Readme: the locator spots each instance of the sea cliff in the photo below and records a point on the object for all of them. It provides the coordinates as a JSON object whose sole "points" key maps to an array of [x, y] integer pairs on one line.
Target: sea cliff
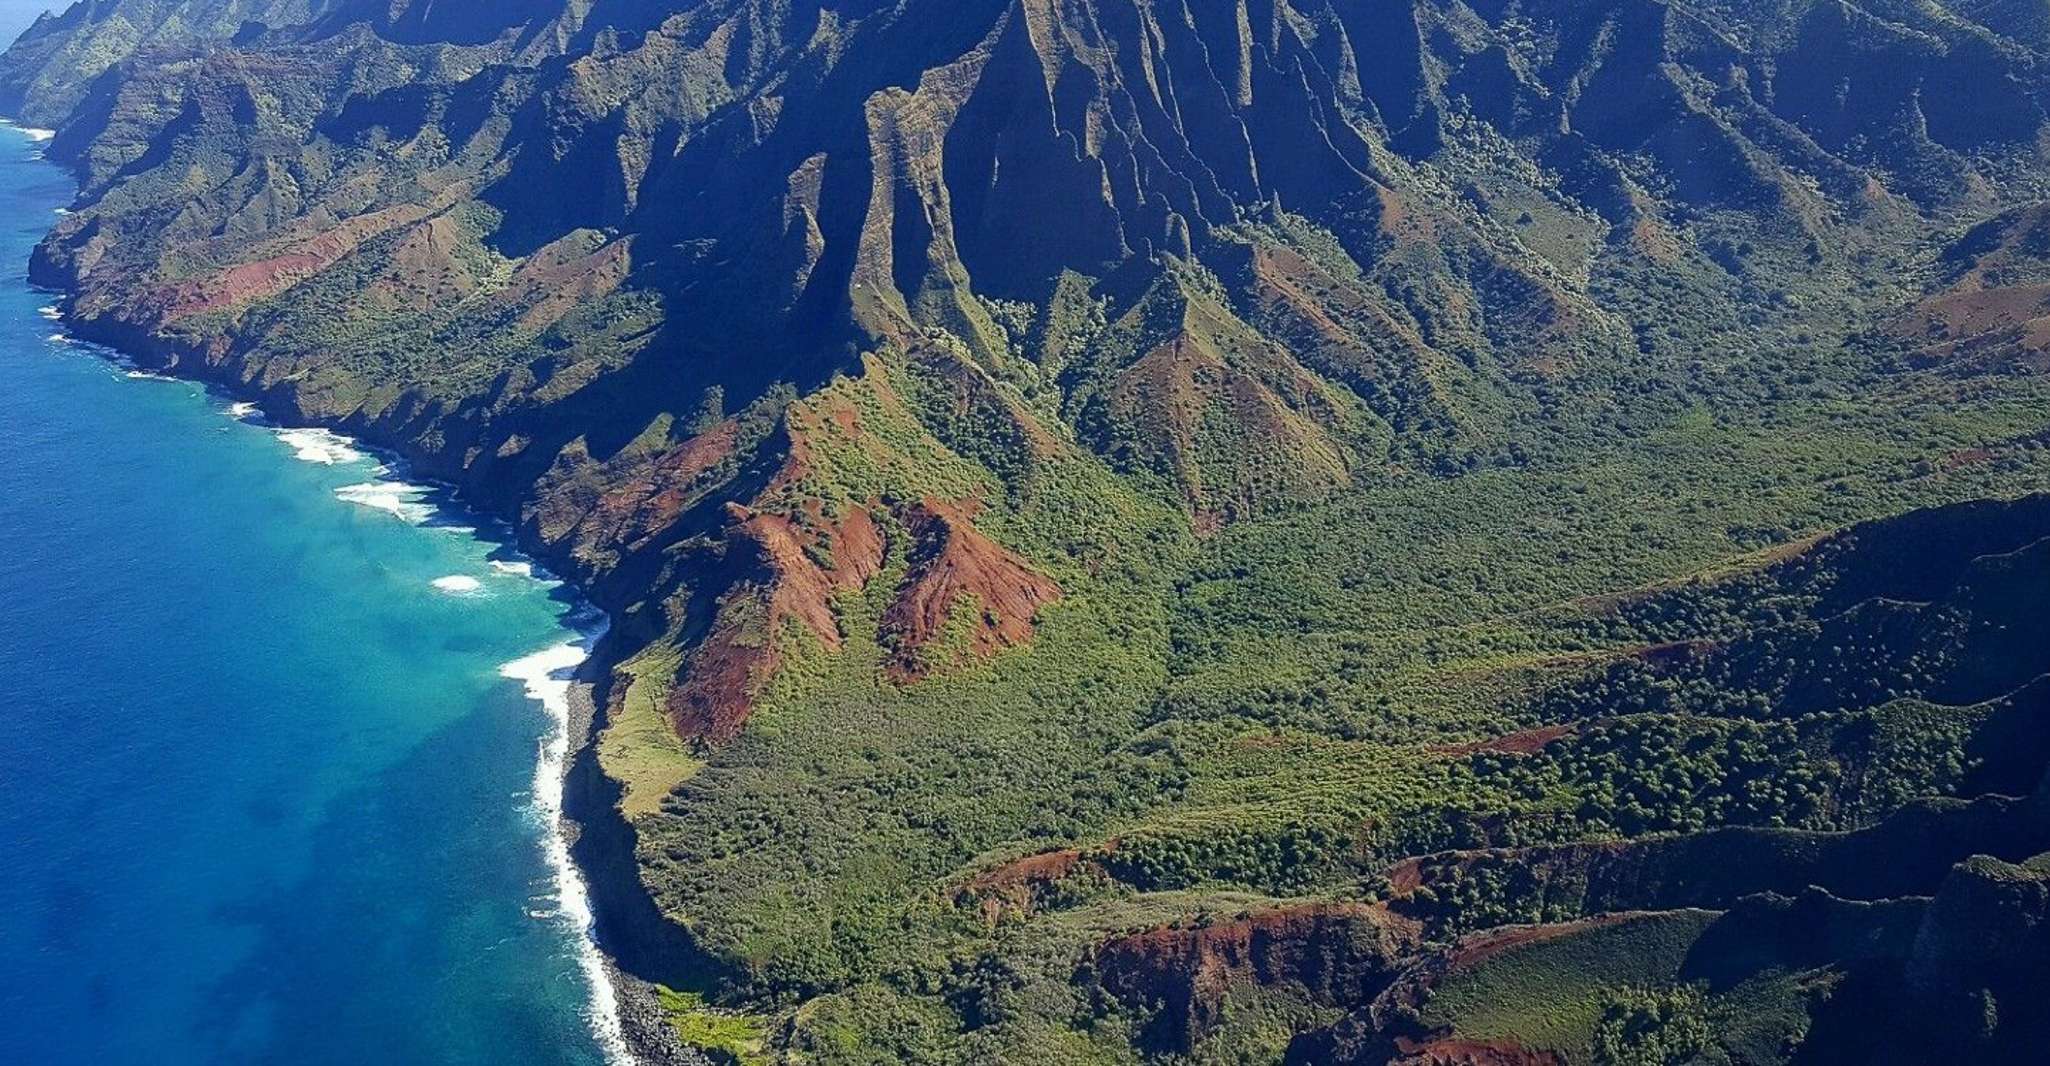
{"points": [[1101, 501]]}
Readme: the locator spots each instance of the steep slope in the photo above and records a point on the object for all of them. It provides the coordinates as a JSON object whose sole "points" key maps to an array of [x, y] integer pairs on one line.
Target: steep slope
{"points": [[1061, 469]]}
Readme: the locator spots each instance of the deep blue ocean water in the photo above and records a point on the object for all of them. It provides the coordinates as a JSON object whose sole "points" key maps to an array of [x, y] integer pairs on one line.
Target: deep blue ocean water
{"points": [[266, 794]]}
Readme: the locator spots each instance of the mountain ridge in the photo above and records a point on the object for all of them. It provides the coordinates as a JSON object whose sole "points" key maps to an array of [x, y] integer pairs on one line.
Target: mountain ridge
{"points": [[1058, 397]]}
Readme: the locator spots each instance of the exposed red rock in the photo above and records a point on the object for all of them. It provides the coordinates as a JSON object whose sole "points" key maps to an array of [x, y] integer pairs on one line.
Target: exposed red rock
{"points": [[1964, 457], [1016, 887], [425, 270], [1405, 876], [798, 587], [263, 278], [1473, 950], [1995, 315], [952, 562], [778, 582], [649, 502], [557, 279], [1232, 416], [719, 686], [1043, 868], [857, 546], [1521, 742], [1338, 953], [1303, 300], [1359, 1040]]}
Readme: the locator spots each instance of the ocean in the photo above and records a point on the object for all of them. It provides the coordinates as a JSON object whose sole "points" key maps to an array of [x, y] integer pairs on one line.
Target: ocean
{"points": [[280, 744]]}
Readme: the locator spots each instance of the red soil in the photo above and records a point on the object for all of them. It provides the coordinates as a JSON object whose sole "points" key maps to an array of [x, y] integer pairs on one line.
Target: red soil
{"points": [[1480, 947], [650, 502], [1044, 868], [1997, 312], [1405, 877], [264, 278], [718, 691], [1522, 742], [1340, 953], [780, 583], [1014, 888], [1964, 457], [952, 562], [554, 281]]}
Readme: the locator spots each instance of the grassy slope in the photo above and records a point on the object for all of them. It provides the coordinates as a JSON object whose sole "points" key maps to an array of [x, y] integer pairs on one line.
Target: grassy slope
{"points": [[1228, 716]]}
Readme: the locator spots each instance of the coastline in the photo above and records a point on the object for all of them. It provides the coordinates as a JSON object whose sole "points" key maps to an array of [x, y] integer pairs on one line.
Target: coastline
{"points": [[589, 845], [629, 1023], [35, 134], [622, 1013], [643, 1025], [548, 677]]}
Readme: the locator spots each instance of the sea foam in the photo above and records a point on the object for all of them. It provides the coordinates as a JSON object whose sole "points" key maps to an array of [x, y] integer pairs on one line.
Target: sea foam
{"points": [[546, 676], [396, 498], [521, 566], [458, 583], [31, 132], [320, 446]]}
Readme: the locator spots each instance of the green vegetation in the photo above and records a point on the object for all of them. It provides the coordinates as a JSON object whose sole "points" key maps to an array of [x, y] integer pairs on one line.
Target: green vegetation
{"points": [[1651, 1027], [1556, 992], [639, 747], [728, 1037], [1184, 503]]}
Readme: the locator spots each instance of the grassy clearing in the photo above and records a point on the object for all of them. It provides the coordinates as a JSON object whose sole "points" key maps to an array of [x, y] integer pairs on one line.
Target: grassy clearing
{"points": [[731, 1038], [639, 748]]}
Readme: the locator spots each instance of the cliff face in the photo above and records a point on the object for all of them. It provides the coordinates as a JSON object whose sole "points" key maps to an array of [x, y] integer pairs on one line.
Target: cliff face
{"points": [[909, 379], [1337, 954]]}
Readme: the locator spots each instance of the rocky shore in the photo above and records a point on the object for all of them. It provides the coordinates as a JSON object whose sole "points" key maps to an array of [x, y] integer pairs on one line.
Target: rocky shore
{"points": [[642, 1021], [639, 945]]}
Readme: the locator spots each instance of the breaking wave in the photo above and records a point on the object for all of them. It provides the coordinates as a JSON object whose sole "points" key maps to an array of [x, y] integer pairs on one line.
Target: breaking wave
{"points": [[320, 446], [547, 678], [403, 501]]}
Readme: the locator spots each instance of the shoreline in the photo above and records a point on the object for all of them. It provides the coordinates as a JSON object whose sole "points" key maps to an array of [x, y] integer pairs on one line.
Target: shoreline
{"points": [[643, 1025], [622, 1013], [549, 678], [584, 818]]}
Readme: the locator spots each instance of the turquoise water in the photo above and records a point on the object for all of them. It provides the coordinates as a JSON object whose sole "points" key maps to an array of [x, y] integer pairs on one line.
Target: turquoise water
{"points": [[266, 793]]}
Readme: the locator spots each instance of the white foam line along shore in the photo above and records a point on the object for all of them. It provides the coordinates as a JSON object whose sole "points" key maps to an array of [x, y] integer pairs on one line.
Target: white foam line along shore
{"points": [[319, 446], [546, 675], [521, 566], [396, 498], [31, 132]]}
